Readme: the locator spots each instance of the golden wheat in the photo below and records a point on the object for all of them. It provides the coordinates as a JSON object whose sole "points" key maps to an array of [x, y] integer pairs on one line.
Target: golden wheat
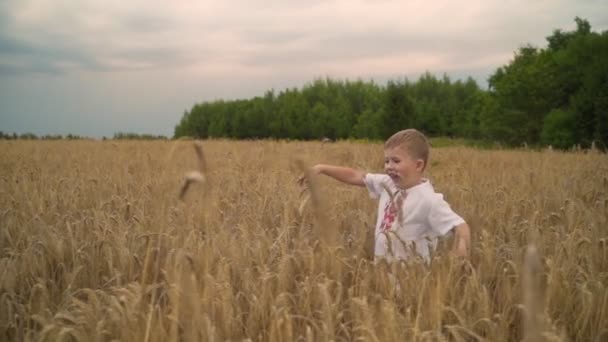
{"points": [[96, 246]]}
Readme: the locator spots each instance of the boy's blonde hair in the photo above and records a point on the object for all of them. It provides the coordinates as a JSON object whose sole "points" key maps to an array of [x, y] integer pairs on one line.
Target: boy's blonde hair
{"points": [[414, 142]]}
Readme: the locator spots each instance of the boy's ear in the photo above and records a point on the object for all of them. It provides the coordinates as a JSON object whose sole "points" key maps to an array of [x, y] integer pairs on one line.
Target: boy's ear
{"points": [[420, 165]]}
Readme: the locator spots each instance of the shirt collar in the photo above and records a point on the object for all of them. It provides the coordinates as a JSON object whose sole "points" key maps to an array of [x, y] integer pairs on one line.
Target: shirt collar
{"points": [[424, 183]]}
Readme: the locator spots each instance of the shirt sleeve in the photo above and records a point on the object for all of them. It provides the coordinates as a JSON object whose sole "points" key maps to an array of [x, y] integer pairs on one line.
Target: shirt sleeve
{"points": [[373, 182], [442, 218]]}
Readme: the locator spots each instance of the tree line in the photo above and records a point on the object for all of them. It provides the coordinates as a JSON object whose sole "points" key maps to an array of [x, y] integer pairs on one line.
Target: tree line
{"points": [[32, 136], [556, 96], [116, 136]]}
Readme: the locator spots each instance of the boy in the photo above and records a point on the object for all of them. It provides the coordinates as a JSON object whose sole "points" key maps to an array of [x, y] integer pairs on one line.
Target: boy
{"points": [[411, 215]]}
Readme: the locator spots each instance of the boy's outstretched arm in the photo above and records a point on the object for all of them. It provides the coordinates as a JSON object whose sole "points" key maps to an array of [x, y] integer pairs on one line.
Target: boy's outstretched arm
{"points": [[342, 174], [462, 242]]}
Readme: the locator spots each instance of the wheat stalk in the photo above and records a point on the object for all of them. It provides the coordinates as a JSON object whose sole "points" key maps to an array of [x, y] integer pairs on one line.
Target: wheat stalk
{"points": [[533, 295], [197, 176]]}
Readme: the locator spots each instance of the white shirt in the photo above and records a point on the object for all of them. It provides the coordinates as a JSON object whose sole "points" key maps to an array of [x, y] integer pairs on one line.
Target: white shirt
{"points": [[410, 221]]}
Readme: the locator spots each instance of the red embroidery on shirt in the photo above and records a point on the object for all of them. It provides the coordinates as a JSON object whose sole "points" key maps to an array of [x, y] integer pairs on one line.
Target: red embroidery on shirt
{"points": [[391, 211]]}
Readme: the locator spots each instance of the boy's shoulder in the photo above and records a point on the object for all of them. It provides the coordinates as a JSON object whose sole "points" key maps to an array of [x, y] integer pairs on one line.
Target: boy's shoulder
{"points": [[376, 177], [378, 180], [376, 174], [378, 183]]}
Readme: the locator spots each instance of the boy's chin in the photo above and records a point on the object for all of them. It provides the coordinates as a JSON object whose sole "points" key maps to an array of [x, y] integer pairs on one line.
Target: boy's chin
{"points": [[397, 181], [401, 183]]}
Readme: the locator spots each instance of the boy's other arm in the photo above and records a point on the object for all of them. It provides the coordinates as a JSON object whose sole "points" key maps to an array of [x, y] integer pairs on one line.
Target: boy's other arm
{"points": [[342, 174], [462, 242]]}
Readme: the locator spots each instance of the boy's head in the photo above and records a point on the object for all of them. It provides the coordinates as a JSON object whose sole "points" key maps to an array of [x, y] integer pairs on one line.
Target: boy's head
{"points": [[406, 154]]}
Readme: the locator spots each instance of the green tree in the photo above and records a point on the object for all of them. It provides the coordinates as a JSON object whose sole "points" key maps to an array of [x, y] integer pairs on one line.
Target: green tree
{"points": [[368, 125], [398, 109], [557, 129]]}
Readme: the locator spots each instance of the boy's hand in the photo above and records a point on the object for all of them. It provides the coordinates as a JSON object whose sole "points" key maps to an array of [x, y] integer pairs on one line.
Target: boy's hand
{"points": [[461, 250], [315, 170], [462, 242]]}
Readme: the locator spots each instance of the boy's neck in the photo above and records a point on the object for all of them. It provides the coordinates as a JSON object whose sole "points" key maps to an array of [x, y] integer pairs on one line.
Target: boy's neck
{"points": [[415, 181]]}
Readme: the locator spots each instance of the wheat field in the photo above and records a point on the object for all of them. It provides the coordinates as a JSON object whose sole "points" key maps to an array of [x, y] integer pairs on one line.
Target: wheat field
{"points": [[96, 246]]}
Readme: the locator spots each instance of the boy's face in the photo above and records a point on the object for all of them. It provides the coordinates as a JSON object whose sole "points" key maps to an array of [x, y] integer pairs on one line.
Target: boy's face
{"points": [[404, 170]]}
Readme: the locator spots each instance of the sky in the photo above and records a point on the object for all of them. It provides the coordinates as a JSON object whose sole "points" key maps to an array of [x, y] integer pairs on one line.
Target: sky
{"points": [[97, 67]]}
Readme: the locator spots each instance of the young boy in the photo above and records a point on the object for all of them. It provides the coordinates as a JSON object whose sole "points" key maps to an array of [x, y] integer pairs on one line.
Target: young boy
{"points": [[411, 215]]}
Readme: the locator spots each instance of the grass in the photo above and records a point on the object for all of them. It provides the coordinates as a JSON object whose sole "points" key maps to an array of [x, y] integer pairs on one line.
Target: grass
{"points": [[96, 245]]}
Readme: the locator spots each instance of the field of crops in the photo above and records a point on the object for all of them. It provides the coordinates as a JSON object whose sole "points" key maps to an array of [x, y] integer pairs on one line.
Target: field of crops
{"points": [[95, 245]]}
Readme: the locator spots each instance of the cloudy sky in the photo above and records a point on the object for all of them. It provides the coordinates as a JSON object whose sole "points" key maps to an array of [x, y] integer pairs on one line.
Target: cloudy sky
{"points": [[95, 67]]}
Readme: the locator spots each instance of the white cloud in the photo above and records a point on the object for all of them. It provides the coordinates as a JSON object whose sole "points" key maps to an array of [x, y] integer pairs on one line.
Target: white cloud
{"points": [[216, 36]]}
